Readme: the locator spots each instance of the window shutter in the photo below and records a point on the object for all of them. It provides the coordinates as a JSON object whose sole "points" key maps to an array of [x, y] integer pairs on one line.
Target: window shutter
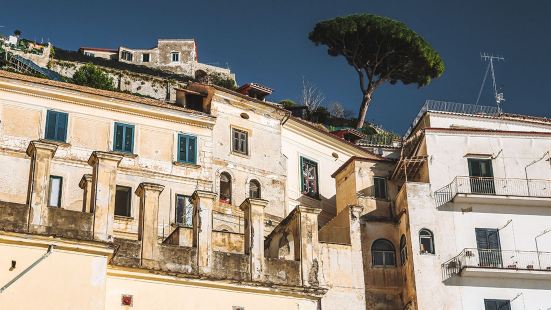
{"points": [[117, 145], [181, 148], [493, 239], [302, 174], [129, 139], [192, 150], [50, 125], [61, 124], [481, 238]]}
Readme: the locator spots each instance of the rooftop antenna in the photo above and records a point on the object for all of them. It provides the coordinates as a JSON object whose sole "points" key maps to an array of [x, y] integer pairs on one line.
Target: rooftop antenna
{"points": [[491, 58]]}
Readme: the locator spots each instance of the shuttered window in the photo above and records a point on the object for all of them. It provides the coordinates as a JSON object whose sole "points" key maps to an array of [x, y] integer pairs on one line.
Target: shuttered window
{"points": [[309, 177], [489, 248], [240, 141], [56, 126], [379, 184], [497, 304], [187, 149], [124, 138]]}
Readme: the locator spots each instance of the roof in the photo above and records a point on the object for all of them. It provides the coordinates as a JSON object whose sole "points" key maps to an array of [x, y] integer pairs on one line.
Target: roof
{"points": [[95, 91], [99, 49], [256, 86], [357, 158]]}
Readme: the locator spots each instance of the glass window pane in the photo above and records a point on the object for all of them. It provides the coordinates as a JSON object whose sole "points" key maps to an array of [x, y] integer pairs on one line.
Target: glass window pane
{"points": [[377, 259], [192, 144], [118, 137], [55, 191]]}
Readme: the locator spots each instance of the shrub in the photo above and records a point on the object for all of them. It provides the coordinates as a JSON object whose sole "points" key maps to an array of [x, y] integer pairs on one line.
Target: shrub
{"points": [[92, 76]]}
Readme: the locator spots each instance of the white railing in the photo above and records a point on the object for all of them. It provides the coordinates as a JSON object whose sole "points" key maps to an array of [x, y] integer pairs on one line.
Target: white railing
{"points": [[496, 259], [453, 107], [494, 187]]}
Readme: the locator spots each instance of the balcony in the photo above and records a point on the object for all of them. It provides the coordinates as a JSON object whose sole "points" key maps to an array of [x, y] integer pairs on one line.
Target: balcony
{"points": [[531, 192], [474, 262]]}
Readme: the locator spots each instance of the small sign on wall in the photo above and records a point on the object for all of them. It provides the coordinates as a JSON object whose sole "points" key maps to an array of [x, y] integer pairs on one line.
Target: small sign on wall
{"points": [[127, 300]]}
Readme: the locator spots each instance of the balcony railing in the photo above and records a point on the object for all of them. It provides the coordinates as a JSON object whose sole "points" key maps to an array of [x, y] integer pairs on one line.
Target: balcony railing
{"points": [[496, 259], [493, 187]]}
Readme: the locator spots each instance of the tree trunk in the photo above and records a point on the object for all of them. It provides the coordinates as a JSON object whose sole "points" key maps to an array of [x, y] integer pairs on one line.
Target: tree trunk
{"points": [[366, 100]]}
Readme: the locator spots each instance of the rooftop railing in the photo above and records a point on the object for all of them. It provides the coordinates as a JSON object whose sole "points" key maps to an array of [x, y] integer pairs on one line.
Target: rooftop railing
{"points": [[496, 259], [453, 107], [379, 140], [493, 186]]}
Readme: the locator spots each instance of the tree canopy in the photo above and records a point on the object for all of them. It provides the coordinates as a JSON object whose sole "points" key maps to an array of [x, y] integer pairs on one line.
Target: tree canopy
{"points": [[92, 76], [380, 50]]}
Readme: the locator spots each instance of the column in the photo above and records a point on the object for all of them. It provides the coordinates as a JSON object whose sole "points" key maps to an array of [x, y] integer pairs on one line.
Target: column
{"points": [[254, 235], [41, 153], [148, 220], [86, 185], [203, 203], [308, 243], [104, 187]]}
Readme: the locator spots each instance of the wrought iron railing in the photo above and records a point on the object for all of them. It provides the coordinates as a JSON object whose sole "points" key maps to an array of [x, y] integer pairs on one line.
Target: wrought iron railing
{"points": [[380, 140], [453, 107], [494, 187], [496, 259]]}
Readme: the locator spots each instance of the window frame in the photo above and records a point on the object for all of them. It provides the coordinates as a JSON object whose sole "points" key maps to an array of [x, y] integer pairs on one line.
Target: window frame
{"points": [[403, 250], [259, 189], [383, 253], [123, 142], [127, 55], [385, 188], [430, 237], [129, 204], [302, 183], [185, 222], [60, 178], [188, 138], [234, 147], [56, 117], [172, 54], [230, 181], [148, 57]]}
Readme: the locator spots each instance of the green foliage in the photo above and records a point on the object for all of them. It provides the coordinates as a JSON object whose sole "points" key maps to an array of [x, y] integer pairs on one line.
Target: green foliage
{"points": [[381, 50], [287, 103], [320, 115], [92, 76], [385, 48], [222, 81]]}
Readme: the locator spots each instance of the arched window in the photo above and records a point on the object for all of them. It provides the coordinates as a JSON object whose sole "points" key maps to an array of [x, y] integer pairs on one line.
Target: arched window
{"points": [[426, 241], [403, 251], [382, 253], [225, 187], [254, 189]]}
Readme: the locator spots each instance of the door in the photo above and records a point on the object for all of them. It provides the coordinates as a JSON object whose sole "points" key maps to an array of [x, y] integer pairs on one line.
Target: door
{"points": [[489, 249], [481, 176]]}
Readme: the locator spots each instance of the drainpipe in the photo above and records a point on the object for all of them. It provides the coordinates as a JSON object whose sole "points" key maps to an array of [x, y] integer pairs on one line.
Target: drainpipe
{"points": [[50, 249], [530, 164], [537, 249]]}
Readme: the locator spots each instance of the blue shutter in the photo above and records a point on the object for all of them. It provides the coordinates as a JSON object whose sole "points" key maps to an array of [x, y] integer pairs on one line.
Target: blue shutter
{"points": [[129, 139], [50, 125], [192, 150], [123, 138], [56, 126], [187, 149], [61, 127], [181, 148]]}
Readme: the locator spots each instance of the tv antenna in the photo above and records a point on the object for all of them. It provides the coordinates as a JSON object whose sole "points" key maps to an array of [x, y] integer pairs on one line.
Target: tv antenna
{"points": [[490, 59]]}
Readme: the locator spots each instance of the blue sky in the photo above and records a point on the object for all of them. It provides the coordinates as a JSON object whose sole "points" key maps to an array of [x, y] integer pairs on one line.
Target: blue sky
{"points": [[267, 42]]}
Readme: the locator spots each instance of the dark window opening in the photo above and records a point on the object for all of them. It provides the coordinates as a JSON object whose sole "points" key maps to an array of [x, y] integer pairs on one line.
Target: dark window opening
{"points": [[426, 241], [56, 126], [379, 185], [184, 210], [175, 56], [225, 187], [382, 253], [54, 194], [194, 102], [497, 304], [254, 189], [489, 248], [309, 177], [122, 201], [126, 55], [481, 176], [145, 58]]}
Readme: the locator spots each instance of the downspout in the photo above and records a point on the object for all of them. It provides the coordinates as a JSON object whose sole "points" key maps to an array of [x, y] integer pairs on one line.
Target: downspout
{"points": [[50, 249], [526, 170]]}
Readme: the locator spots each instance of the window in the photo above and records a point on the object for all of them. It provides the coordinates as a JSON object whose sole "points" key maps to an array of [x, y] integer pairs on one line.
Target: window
{"points": [[309, 177], [240, 141], [481, 176], [126, 55], [184, 210], [124, 138], [489, 248], [426, 241], [225, 187], [145, 57], [254, 189], [497, 304], [175, 56], [56, 126], [122, 201], [382, 253], [54, 197], [403, 251], [89, 54], [187, 149], [379, 185]]}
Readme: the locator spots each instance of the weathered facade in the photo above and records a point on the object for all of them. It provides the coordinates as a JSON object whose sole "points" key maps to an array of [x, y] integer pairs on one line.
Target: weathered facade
{"points": [[147, 201]]}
